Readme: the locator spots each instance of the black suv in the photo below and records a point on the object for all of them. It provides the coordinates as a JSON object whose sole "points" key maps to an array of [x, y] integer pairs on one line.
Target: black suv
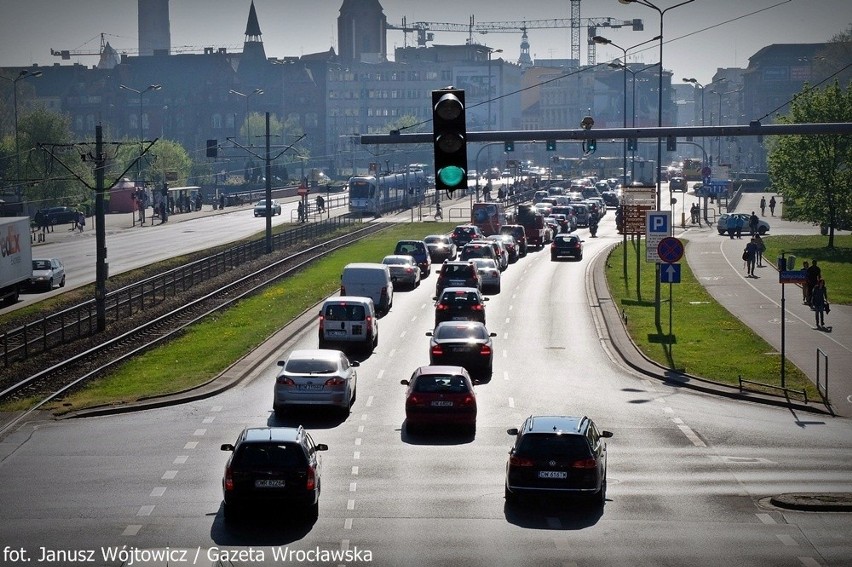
{"points": [[57, 215], [557, 455], [418, 250], [460, 304], [272, 465], [464, 233], [457, 274]]}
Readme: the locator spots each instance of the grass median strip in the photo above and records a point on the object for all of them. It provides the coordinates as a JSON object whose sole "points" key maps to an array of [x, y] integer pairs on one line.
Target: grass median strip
{"points": [[208, 348], [706, 340]]}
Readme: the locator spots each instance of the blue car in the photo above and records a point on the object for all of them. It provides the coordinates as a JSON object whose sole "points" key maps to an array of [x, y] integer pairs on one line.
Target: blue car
{"points": [[418, 250]]}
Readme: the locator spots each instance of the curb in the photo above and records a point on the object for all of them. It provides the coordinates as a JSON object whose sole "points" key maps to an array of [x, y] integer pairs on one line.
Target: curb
{"points": [[828, 502]]}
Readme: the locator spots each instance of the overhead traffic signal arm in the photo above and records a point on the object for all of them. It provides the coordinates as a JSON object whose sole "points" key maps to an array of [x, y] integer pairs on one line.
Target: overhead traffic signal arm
{"points": [[449, 135]]}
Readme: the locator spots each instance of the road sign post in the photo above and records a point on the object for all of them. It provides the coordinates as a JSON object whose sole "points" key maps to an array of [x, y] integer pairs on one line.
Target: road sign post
{"points": [[658, 225]]}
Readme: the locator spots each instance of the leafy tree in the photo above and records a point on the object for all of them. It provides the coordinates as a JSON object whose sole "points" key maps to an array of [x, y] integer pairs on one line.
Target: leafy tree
{"points": [[813, 172], [166, 157], [282, 135]]}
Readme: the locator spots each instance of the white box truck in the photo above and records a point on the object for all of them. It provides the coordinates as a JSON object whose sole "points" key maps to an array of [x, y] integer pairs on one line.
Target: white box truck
{"points": [[16, 257]]}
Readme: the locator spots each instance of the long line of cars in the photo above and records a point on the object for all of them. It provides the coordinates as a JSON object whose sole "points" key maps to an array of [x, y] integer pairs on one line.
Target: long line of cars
{"points": [[552, 455]]}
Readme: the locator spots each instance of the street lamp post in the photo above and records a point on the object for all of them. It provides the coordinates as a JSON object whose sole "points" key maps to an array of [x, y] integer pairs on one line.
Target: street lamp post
{"points": [[632, 106], [141, 125], [24, 74], [248, 122], [700, 86], [660, 86], [490, 51], [605, 41]]}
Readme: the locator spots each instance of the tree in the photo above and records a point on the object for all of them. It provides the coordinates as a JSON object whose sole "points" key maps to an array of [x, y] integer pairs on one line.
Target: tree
{"points": [[166, 158], [813, 172], [282, 135]]}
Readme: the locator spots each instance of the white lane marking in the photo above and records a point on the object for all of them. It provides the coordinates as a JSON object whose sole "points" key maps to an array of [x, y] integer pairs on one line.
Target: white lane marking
{"points": [[505, 354], [506, 336], [131, 530], [360, 429], [370, 401], [765, 518], [352, 486], [180, 460], [169, 475], [358, 441], [413, 319], [191, 445], [344, 544], [510, 307], [380, 374], [787, 540], [200, 432], [809, 562], [350, 504], [158, 491], [508, 319], [145, 510], [511, 402], [505, 375], [677, 420], [208, 419], [355, 471], [347, 524], [392, 352], [356, 455], [216, 408], [364, 417], [668, 410], [690, 434], [402, 334]]}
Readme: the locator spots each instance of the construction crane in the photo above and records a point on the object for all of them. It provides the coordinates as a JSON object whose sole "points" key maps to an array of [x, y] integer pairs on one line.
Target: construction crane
{"points": [[423, 30], [106, 50]]}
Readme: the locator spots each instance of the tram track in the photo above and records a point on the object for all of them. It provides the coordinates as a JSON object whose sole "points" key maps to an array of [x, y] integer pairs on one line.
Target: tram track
{"points": [[67, 372]]}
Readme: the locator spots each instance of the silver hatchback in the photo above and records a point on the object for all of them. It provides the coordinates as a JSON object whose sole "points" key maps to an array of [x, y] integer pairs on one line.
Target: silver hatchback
{"points": [[315, 377]]}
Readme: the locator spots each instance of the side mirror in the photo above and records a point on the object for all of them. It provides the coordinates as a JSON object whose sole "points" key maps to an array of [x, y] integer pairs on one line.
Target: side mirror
{"points": [[492, 334], [606, 433], [227, 447], [512, 431], [429, 333], [404, 382], [282, 362], [322, 447], [486, 299], [354, 363]]}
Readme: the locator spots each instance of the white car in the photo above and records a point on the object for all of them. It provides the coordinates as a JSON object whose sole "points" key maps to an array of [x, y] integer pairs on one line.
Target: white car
{"points": [[489, 274], [47, 272]]}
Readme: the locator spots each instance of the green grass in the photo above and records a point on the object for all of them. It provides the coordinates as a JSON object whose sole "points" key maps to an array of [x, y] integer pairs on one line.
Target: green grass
{"points": [[706, 340], [206, 349], [836, 263]]}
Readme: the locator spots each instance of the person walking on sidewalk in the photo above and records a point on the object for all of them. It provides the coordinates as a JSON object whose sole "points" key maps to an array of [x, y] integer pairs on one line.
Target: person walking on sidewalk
{"points": [[750, 257], [761, 248], [819, 301], [806, 289], [763, 206], [772, 205], [813, 275], [753, 223]]}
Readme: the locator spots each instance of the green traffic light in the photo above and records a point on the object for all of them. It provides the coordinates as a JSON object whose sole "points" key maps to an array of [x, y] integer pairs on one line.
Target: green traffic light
{"points": [[451, 175]]}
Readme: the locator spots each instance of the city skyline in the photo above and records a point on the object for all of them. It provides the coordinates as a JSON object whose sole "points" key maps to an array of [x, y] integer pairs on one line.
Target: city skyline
{"points": [[700, 37]]}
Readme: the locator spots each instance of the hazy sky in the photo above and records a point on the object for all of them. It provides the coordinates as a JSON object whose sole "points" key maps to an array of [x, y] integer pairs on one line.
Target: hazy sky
{"points": [[700, 37]]}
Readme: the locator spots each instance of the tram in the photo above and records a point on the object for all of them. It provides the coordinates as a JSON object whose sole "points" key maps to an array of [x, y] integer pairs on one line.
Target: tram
{"points": [[374, 195]]}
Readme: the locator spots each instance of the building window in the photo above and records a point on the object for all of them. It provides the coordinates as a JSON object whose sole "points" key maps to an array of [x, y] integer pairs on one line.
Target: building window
{"points": [[217, 121]]}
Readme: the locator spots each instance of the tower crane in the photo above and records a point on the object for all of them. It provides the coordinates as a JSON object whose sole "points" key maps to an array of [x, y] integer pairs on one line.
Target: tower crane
{"points": [[423, 29]]}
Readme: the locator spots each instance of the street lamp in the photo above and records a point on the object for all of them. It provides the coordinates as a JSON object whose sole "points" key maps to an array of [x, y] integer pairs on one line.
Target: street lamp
{"points": [[605, 41], [632, 105], [24, 74], [141, 133], [700, 86], [490, 51], [660, 86], [248, 122]]}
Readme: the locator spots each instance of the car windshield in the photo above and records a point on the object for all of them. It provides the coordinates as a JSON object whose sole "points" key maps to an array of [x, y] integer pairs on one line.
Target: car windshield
{"points": [[434, 383], [460, 298], [542, 446], [261, 204], [457, 271], [310, 366], [435, 240], [41, 264], [344, 313], [267, 455], [484, 263], [461, 332]]}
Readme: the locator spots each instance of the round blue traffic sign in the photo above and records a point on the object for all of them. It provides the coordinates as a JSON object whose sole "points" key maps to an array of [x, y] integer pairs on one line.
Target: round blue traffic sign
{"points": [[670, 250]]}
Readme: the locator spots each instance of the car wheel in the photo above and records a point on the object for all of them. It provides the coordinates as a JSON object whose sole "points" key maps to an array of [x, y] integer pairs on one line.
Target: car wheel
{"points": [[762, 230], [62, 282]]}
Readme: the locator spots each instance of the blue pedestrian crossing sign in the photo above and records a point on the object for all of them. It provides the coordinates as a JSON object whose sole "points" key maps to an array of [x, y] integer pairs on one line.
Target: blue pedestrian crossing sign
{"points": [[670, 273]]}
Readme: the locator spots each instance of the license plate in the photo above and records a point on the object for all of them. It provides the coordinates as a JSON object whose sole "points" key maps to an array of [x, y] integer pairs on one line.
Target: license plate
{"points": [[552, 474], [456, 283], [269, 484], [442, 404], [335, 333], [310, 387], [459, 349], [459, 318]]}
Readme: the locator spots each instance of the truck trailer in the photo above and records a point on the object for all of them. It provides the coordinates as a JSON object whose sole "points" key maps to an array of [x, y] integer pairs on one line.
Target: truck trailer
{"points": [[16, 257]]}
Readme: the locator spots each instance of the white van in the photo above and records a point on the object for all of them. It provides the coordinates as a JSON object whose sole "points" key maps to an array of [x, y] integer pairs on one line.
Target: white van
{"points": [[349, 320], [368, 280]]}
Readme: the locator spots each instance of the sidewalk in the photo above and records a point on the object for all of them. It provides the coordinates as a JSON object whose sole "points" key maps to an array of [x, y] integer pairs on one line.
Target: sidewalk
{"points": [[717, 264]]}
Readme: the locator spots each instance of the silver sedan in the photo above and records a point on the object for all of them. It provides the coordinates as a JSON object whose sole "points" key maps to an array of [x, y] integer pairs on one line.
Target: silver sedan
{"points": [[315, 377], [489, 273]]}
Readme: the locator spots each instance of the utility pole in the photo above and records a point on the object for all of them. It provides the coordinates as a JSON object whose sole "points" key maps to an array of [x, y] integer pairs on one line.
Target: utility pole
{"points": [[101, 271]]}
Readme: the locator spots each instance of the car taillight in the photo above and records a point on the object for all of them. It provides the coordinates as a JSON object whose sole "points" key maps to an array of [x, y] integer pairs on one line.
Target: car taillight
{"points": [[585, 464], [413, 400], [516, 461], [336, 381], [229, 479], [468, 401], [409, 270], [477, 307], [384, 294], [369, 324], [285, 381], [437, 350], [311, 482], [321, 323], [441, 307], [485, 350], [494, 273]]}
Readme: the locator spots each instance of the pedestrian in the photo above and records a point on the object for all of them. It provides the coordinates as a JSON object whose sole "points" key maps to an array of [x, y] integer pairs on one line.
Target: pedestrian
{"points": [[753, 223], [819, 301], [221, 201], [805, 286], [750, 257], [300, 210], [813, 275], [761, 248], [731, 225], [81, 220], [763, 206], [772, 205], [739, 222]]}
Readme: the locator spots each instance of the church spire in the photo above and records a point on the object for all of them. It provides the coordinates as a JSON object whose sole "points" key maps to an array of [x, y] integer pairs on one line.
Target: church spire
{"points": [[252, 26]]}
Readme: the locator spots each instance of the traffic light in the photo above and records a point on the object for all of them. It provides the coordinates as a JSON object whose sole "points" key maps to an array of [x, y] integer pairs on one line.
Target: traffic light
{"points": [[449, 135], [551, 145], [671, 144], [591, 146], [212, 148], [508, 146], [632, 144]]}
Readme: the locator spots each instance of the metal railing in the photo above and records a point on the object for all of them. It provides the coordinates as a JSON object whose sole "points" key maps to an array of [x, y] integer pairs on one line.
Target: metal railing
{"points": [[822, 385], [80, 321], [787, 391]]}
